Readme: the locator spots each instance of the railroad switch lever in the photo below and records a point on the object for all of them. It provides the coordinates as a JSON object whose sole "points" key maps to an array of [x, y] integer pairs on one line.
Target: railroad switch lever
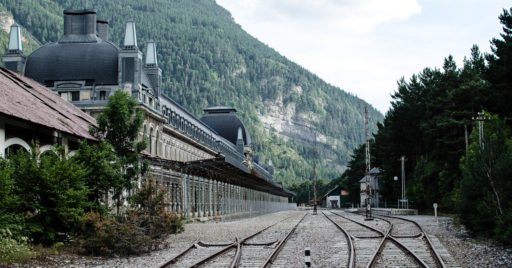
{"points": [[307, 256]]}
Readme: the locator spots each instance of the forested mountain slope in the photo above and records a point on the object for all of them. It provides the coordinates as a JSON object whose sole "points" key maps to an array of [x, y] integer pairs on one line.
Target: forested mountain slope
{"points": [[207, 59]]}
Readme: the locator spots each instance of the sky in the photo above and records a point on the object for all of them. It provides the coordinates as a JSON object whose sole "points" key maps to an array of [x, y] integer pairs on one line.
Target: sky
{"points": [[365, 46]]}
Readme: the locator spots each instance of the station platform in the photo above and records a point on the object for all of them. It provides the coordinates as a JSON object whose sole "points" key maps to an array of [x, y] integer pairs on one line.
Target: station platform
{"points": [[391, 211]]}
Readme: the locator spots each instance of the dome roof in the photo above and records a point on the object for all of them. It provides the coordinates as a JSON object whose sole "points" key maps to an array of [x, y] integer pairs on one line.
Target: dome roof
{"points": [[65, 61], [226, 123]]}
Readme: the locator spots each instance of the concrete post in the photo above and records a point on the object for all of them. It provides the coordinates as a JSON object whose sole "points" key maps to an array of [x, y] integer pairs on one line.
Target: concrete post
{"points": [[203, 197], [221, 198], [210, 190], [185, 195]]}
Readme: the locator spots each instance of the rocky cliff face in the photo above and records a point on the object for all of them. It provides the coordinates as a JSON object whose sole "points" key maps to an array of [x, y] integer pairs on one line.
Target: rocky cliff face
{"points": [[283, 120]]}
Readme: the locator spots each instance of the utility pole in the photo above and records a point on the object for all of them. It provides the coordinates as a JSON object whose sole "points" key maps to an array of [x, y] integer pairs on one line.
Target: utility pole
{"points": [[314, 178], [403, 200], [403, 177], [367, 171], [367, 149], [480, 118]]}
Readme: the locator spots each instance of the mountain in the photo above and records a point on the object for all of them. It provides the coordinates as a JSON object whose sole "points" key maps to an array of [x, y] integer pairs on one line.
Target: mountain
{"points": [[6, 20], [207, 59]]}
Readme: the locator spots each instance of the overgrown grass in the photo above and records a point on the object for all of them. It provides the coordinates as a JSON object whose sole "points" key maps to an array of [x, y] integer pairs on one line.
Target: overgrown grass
{"points": [[12, 250]]}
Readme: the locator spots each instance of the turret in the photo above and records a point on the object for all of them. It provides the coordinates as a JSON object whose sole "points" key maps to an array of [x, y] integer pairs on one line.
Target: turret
{"points": [[14, 59], [240, 141], [153, 72], [270, 167], [130, 62]]}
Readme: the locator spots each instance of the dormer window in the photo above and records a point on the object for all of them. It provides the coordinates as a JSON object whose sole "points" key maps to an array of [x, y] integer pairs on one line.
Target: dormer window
{"points": [[75, 95], [151, 102], [103, 95]]}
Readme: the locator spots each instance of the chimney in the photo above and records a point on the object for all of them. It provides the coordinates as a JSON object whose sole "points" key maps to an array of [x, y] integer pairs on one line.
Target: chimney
{"points": [[102, 29], [79, 26], [14, 60]]}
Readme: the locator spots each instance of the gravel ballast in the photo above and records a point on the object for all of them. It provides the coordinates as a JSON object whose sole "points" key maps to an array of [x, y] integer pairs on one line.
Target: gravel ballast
{"points": [[466, 251]]}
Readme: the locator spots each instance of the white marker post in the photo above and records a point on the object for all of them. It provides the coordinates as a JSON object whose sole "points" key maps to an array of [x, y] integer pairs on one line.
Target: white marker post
{"points": [[307, 256], [435, 212]]}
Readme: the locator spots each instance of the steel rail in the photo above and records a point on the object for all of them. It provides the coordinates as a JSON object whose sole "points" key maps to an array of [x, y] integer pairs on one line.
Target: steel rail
{"points": [[437, 257], [238, 254], [236, 244], [279, 247], [386, 236], [351, 249], [181, 254]]}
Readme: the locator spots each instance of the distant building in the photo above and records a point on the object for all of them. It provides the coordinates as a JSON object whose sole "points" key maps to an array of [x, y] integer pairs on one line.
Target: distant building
{"points": [[206, 163], [370, 182], [336, 198]]}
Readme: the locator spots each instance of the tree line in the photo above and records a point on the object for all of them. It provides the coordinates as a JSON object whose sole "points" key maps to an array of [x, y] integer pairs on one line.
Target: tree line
{"points": [[454, 126]]}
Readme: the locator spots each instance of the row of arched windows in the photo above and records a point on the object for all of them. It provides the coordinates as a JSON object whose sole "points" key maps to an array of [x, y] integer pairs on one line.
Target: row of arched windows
{"points": [[187, 127]]}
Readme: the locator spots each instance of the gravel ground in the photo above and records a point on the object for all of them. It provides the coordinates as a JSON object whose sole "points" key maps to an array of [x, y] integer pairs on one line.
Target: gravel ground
{"points": [[206, 231], [466, 251]]}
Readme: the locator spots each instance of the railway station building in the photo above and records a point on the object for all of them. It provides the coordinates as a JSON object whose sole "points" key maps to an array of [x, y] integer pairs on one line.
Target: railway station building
{"points": [[206, 163], [336, 198], [369, 186]]}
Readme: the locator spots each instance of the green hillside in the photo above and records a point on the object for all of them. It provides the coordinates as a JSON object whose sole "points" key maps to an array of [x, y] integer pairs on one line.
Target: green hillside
{"points": [[6, 20], [207, 59]]}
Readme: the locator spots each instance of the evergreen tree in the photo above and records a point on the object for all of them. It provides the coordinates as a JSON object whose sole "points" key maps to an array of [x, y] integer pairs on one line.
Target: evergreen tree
{"points": [[500, 66], [485, 203], [120, 124], [50, 193], [103, 173]]}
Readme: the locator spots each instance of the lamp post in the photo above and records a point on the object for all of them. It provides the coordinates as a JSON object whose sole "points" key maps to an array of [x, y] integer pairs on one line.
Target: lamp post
{"points": [[402, 200]]}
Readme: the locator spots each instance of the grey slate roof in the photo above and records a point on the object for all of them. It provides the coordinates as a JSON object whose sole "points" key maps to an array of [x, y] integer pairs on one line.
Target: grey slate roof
{"points": [[74, 61], [369, 177], [226, 123], [375, 171]]}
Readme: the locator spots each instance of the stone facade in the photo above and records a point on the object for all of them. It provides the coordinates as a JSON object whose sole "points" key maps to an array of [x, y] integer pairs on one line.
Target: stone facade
{"points": [[208, 174]]}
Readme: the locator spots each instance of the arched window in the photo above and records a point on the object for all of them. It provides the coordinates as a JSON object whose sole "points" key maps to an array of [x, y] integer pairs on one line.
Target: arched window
{"points": [[144, 132], [12, 146], [156, 143], [150, 140]]}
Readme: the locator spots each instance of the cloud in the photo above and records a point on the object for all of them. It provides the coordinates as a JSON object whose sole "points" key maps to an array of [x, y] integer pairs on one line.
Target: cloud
{"points": [[353, 15], [365, 46]]}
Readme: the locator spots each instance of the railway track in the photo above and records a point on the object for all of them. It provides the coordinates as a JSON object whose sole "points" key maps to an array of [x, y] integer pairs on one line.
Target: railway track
{"points": [[345, 240], [365, 240], [230, 254], [330, 247], [407, 245]]}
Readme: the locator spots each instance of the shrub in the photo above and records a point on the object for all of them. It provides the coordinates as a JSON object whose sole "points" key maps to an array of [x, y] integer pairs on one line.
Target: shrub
{"points": [[12, 250], [149, 203], [135, 232], [110, 236], [50, 193]]}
